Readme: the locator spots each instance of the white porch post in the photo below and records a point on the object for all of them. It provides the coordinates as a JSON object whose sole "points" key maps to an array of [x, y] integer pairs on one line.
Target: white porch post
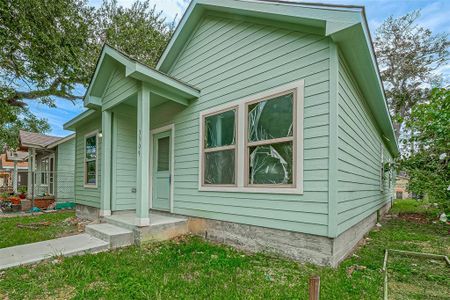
{"points": [[31, 168], [15, 175], [105, 204], [143, 156]]}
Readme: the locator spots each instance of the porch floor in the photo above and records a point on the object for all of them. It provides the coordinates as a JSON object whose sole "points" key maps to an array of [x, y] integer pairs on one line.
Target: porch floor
{"points": [[128, 219]]}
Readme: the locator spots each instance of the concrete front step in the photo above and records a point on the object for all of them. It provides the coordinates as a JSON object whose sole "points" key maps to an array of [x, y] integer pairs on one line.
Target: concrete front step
{"points": [[162, 227], [115, 236], [36, 252]]}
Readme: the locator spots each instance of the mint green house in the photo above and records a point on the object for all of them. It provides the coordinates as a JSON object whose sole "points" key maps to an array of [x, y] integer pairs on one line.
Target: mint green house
{"points": [[264, 124]]}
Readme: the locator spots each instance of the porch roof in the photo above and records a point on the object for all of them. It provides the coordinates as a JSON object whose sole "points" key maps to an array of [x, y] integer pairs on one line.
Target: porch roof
{"points": [[160, 83], [35, 140]]}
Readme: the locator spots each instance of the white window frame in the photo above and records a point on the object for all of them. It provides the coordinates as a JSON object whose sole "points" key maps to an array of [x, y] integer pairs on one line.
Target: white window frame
{"points": [[296, 87], [86, 136], [46, 172]]}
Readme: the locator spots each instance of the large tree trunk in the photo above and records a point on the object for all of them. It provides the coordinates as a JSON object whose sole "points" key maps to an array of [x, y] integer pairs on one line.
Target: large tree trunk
{"points": [[397, 127]]}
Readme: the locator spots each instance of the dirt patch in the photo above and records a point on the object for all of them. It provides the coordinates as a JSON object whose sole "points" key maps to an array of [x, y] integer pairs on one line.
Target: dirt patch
{"points": [[414, 217]]}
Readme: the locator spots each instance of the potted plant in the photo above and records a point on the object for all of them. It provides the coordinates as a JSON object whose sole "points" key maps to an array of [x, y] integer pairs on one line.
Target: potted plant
{"points": [[5, 204], [22, 192], [4, 196], [15, 203]]}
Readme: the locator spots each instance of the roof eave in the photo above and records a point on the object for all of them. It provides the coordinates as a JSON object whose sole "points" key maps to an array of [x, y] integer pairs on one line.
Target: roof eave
{"points": [[72, 124], [360, 53], [308, 15]]}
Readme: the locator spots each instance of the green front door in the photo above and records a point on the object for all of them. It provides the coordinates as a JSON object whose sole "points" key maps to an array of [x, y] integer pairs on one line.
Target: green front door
{"points": [[161, 170]]}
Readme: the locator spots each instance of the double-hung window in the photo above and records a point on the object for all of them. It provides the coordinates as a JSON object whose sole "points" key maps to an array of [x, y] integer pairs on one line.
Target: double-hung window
{"points": [[270, 144], [90, 160], [219, 148], [45, 168], [254, 144]]}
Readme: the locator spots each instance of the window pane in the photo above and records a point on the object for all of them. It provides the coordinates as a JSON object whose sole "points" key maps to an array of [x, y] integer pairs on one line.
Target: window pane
{"points": [[44, 171], [91, 147], [220, 129], [219, 167], [271, 164], [270, 119], [163, 154], [90, 172]]}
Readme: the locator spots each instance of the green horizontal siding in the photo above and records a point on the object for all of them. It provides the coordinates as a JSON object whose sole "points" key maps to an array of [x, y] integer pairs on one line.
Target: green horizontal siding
{"points": [[124, 157], [229, 60], [87, 196], [359, 160], [119, 87], [65, 168]]}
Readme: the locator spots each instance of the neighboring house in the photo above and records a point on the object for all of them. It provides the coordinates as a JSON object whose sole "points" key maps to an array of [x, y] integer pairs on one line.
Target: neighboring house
{"points": [[401, 187], [13, 170], [264, 123], [52, 161]]}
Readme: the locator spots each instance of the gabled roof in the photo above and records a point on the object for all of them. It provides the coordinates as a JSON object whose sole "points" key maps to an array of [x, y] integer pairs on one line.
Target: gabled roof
{"points": [[36, 140], [345, 25], [160, 83]]}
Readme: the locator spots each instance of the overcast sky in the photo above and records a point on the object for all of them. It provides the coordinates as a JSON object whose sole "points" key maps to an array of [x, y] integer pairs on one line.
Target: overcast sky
{"points": [[434, 15]]}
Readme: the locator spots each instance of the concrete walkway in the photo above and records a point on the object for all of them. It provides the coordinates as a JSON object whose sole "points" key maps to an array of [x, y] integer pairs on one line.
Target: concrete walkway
{"points": [[36, 252]]}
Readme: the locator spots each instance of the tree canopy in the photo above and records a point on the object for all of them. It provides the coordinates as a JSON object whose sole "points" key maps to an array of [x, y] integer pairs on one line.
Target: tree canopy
{"points": [[49, 47], [408, 55], [15, 118], [428, 164]]}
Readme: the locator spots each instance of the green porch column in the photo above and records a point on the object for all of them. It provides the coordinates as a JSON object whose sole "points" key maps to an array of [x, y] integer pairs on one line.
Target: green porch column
{"points": [[143, 156], [106, 161]]}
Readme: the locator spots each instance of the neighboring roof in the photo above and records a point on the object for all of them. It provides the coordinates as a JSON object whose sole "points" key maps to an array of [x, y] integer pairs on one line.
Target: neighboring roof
{"points": [[345, 25], [160, 83], [40, 141], [36, 140], [9, 164]]}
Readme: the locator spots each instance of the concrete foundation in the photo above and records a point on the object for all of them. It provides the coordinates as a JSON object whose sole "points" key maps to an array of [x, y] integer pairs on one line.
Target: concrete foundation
{"points": [[87, 212], [299, 246]]}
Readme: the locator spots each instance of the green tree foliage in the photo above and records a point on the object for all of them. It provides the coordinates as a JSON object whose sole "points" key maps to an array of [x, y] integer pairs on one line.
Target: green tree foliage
{"points": [[428, 165], [14, 118], [408, 54], [140, 31], [48, 47]]}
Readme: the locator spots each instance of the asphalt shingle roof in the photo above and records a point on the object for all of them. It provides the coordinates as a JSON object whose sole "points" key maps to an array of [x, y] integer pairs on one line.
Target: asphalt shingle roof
{"points": [[36, 139]]}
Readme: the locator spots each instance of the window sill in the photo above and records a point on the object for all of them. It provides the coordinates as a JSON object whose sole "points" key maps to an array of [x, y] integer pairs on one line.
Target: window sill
{"points": [[90, 186], [253, 190]]}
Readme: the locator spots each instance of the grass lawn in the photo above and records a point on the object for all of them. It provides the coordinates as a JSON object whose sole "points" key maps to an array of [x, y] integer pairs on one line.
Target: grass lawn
{"points": [[198, 269], [412, 206], [11, 234]]}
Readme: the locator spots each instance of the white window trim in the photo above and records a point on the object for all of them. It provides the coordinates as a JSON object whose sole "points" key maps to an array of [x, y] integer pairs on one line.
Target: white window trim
{"points": [[240, 187], [42, 172], [86, 185]]}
